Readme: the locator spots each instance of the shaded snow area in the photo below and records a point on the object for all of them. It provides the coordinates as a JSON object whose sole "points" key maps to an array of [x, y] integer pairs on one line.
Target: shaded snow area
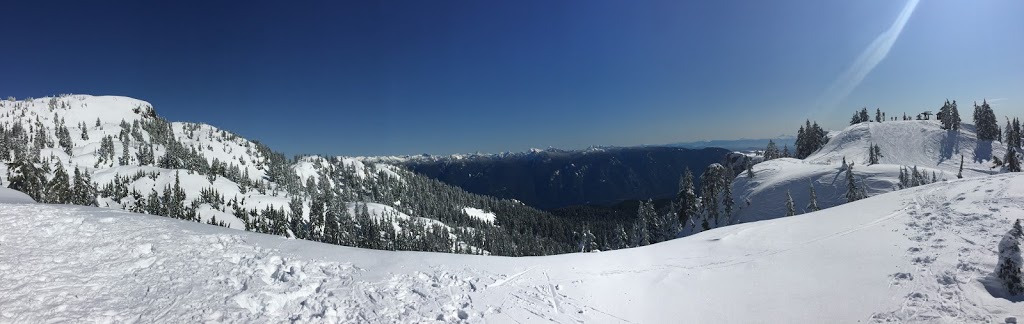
{"points": [[925, 254]]}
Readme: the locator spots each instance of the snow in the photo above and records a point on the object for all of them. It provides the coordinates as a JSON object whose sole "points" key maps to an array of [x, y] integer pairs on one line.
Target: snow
{"points": [[766, 191], [914, 142], [924, 254], [480, 214], [902, 143], [9, 196]]}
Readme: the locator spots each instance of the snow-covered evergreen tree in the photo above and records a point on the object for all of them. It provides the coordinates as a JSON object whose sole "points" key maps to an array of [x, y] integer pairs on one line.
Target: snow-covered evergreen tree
{"points": [[1008, 270], [687, 199], [790, 206], [58, 189], [853, 193], [771, 152], [812, 206], [809, 139], [987, 127]]}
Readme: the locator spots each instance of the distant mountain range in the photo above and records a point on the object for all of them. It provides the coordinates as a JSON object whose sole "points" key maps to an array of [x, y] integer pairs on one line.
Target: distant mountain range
{"points": [[555, 178], [739, 144]]}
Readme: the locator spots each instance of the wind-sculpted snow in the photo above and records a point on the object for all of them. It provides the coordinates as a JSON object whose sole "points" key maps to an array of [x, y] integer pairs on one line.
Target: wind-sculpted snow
{"points": [[924, 254]]}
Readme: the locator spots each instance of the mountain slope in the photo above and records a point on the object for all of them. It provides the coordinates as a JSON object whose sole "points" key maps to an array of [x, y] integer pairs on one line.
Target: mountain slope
{"points": [[125, 156], [924, 254], [914, 142], [557, 178], [922, 144]]}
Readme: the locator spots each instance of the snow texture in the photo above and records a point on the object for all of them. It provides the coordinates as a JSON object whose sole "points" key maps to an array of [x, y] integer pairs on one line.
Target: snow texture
{"points": [[916, 255]]}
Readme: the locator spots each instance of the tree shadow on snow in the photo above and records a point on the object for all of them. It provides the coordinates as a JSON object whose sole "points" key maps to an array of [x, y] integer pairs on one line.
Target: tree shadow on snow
{"points": [[983, 151], [995, 288], [950, 142]]}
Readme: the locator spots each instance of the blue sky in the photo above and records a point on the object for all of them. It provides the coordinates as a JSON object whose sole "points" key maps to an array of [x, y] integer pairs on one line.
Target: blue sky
{"points": [[410, 77]]}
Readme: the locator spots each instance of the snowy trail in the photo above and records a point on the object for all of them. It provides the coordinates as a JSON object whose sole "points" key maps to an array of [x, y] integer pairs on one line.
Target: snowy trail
{"points": [[918, 255]]}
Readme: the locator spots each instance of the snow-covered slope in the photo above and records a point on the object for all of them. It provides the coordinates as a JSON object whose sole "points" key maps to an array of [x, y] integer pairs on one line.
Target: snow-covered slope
{"points": [[764, 195], [915, 142], [924, 254], [902, 143], [133, 159]]}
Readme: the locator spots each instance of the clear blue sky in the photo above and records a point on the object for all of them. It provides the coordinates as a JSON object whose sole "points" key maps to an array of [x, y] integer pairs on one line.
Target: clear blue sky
{"points": [[409, 77]]}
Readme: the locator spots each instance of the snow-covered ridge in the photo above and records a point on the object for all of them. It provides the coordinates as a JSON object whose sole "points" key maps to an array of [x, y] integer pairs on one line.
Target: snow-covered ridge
{"points": [[918, 143], [130, 158], [534, 152], [925, 254]]}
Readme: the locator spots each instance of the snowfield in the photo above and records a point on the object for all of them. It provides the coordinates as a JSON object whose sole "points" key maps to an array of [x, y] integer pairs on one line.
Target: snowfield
{"points": [[924, 254]]}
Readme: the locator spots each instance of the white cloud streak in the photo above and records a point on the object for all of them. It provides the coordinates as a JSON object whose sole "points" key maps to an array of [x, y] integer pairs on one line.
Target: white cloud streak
{"points": [[866, 61]]}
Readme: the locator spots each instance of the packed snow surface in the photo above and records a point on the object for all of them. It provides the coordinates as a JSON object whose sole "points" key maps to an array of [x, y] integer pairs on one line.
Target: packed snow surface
{"points": [[924, 254]]}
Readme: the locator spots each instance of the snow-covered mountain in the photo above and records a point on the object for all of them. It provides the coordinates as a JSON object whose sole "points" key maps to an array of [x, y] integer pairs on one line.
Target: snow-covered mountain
{"points": [[117, 152], [921, 255]]}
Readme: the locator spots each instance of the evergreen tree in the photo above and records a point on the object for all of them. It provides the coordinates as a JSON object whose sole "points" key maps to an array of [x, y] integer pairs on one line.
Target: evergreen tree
{"points": [[619, 239], [960, 174], [296, 224], [771, 152], [1017, 132], [874, 154], [790, 206], [812, 206], [84, 193], [24, 176], [687, 198], [949, 116], [852, 191], [332, 220], [954, 119], [1010, 138], [878, 115], [987, 126], [1009, 267], [711, 186], [58, 190], [809, 139], [588, 242], [727, 201], [1011, 161]]}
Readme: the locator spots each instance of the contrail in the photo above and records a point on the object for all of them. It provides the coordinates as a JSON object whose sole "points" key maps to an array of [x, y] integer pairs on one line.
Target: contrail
{"points": [[866, 61]]}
